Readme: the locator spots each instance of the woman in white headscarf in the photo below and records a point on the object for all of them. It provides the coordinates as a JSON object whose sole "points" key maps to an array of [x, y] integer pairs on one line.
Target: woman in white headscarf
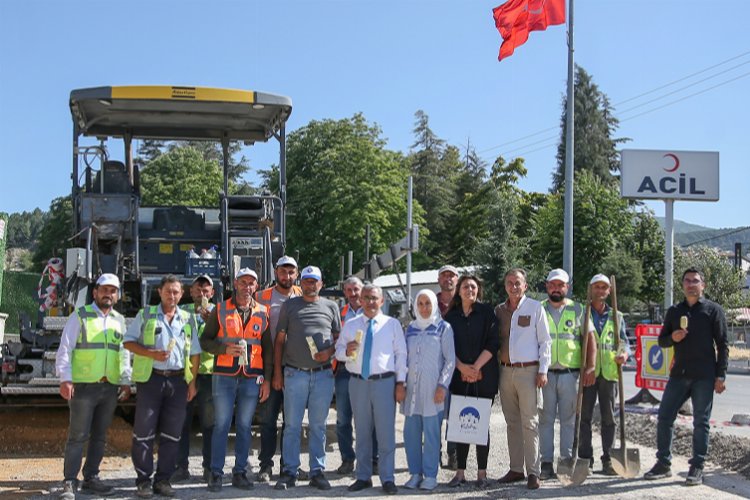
{"points": [[431, 360]]}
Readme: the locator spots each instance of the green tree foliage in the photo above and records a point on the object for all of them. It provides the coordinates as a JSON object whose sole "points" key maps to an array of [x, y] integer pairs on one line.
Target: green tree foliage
{"points": [[181, 176], [341, 178], [436, 168], [723, 281], [595, 150], [647, 246], [497, 246], [602, 226], [24, 228], [55, 234]]}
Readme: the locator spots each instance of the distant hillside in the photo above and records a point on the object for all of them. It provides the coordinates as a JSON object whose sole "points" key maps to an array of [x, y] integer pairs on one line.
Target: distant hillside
{"points": [[724, 238]]}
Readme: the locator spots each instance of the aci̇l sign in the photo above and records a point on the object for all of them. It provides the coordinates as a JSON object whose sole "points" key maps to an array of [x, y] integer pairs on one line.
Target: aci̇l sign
{"points": [[676, 175]]}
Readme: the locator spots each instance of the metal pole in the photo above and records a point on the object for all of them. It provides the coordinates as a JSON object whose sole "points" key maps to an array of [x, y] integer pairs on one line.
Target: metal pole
{"points": [[410, 233], [350, 257], [568, 213], [668, 253], [282, 181]]}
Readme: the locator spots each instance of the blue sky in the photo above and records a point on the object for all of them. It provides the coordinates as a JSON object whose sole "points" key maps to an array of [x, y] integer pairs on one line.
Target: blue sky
{"points": [[386, 59]]}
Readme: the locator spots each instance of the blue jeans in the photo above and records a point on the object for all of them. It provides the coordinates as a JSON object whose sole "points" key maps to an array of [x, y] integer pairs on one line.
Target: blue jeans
{"points": [[678, 390], [422, 458], [228, 390], [314, 391], [204, 403], [269, 415], [91, 409], [344, 416]]}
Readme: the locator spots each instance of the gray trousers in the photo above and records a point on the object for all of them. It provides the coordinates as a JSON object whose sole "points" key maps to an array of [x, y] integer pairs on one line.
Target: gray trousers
{"points": [[374, 407], [91, 409], [606, 392], [560, 395]]}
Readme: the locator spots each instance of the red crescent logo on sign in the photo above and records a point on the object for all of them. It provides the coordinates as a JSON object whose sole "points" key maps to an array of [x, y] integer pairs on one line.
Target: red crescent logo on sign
{"points": [[676, 162]]}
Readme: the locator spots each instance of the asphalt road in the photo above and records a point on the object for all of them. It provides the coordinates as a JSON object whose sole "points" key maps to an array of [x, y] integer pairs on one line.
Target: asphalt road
{"points": [[736, 399]]}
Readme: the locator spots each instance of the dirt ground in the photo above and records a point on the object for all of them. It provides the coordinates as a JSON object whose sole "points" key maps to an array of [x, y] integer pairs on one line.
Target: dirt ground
{"points": [[32, 443]]}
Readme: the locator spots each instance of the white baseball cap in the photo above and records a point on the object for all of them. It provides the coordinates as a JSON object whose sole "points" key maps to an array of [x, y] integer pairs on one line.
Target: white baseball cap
{"points": [[600, 277], [108, 279], [448, 268], [246, 271], [558, 274], [205, 277], [311, 272], [286, 261]]}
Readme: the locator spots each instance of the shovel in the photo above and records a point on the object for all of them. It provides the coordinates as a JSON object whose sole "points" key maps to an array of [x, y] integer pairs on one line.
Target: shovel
{"points": [[626, 462], [574, 471]]}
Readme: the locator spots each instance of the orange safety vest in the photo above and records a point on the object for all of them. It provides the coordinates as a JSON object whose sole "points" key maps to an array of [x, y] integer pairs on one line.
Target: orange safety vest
{"points": [[231, 331], [264, 296]]}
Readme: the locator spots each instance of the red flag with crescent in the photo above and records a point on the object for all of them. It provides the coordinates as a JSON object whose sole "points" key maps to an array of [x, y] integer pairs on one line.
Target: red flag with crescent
{"points": [[516, 18]]}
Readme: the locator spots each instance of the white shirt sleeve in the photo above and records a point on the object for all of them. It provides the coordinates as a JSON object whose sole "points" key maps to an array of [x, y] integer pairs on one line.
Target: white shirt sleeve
{"points": [[399, 350], [544, 340], [68, 340]]}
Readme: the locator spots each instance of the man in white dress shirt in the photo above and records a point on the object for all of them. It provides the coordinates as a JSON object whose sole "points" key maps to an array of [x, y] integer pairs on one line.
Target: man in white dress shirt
{"points": [[377, 364], [524, 360]]}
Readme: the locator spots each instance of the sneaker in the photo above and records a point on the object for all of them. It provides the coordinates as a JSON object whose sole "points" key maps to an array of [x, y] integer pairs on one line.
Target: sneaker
{"points": [[389, 488], [658, 471], [695, 476], [143, 490], [163, 488], [346, 467], [68, 490], [264, 474], [95, 486], [428, 484], [179, 475], [548, 471], [285, 481], [215, 482], [414, 481], [319, 481], [302, 475], [241, 481]]}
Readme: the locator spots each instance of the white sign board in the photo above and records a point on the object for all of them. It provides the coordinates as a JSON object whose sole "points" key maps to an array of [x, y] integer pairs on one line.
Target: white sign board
{"points": [[669, 175]]}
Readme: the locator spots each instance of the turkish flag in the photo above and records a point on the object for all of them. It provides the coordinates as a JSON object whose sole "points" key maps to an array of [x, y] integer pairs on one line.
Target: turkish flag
{"points": [[516, 18]]}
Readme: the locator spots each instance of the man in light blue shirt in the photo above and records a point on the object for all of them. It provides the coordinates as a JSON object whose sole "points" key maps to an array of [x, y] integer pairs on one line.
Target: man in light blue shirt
{"points": [[164, 340]]}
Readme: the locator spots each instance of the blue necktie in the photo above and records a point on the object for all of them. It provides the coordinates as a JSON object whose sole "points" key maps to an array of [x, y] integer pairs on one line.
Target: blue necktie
{"points": [[367, 353]]}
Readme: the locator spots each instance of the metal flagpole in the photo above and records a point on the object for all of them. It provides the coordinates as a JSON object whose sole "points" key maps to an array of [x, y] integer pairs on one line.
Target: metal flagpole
{"points": [[568, 213]]}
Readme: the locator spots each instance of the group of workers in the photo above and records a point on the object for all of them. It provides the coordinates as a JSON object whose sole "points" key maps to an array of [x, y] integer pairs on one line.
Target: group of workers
{"points": [[286, 349]]}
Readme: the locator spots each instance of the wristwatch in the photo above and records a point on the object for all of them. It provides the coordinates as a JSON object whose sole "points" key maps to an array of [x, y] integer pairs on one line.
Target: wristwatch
{"points": [[723, 379]]}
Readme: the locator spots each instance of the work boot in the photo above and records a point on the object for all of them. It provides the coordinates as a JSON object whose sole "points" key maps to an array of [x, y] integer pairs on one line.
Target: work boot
{"points": [[143, 490], [215, 482], [346, 467], [264, 474], [68, 490], [95, 486], [241, 481], [163, 488], [179, 475], [548, 471]]}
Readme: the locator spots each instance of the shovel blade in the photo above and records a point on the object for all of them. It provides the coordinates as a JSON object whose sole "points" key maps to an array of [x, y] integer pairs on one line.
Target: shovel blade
{"points": [[627, 463], [572, 471]]}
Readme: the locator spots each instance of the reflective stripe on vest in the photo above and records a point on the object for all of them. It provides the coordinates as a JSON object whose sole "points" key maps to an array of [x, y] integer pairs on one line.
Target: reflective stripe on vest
{"points": [[344, 312], [566, 345], [142, 365], [231, 330], [97, 351], [206, 366], [606, 352]]}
